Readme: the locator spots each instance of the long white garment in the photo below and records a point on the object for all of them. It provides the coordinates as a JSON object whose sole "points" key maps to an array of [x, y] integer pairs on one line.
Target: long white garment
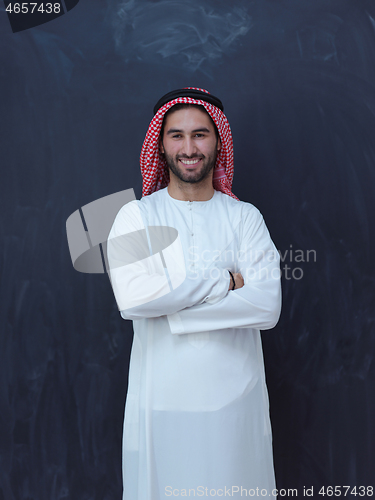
{"points": [[196, 416]]}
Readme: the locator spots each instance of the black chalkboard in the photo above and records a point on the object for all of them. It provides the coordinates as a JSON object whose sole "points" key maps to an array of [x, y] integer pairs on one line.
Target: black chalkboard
{"points": [[297, 81]]}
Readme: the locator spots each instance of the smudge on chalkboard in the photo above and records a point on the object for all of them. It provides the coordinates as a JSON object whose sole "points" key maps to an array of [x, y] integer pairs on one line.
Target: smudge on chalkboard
{"points": [[152, 32]]}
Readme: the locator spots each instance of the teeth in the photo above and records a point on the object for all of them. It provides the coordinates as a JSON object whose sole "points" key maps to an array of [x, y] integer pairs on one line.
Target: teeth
{"points": [[190, 162]]}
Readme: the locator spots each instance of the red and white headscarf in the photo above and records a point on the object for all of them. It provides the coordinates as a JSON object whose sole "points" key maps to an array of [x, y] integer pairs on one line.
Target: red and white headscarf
{"points": [[153, 164]]}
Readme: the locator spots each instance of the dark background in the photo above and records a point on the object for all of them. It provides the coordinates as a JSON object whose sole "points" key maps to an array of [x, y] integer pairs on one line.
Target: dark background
{"points": [[297, 81]]}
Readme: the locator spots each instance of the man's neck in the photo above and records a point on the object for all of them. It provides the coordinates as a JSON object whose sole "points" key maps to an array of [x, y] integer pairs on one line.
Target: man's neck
{"points": [[190, 192]]}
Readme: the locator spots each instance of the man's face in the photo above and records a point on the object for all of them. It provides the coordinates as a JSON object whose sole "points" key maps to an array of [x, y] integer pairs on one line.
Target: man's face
{"points": [[190, 144]]}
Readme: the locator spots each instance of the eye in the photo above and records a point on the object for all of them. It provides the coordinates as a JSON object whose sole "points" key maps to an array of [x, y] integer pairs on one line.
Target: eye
{"points": [[199, 135]]}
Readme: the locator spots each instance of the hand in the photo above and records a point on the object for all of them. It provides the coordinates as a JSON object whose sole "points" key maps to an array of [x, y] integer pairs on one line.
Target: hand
{"points": [[238, 281]]}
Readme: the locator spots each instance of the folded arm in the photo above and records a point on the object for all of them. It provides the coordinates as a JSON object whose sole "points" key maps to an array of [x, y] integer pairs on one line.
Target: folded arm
{"points": [[150, 284]]}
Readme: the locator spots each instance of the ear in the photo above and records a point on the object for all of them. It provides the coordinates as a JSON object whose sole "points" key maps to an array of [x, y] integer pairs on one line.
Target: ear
{"points": [[218, 147], [161, 147]]}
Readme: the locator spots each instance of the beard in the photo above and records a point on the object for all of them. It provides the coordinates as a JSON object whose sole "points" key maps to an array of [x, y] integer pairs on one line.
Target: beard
{"points": [[195, 176]]}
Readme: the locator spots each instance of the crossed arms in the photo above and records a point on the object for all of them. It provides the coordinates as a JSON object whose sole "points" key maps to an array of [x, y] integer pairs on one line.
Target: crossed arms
{"points": [[150, 285]]}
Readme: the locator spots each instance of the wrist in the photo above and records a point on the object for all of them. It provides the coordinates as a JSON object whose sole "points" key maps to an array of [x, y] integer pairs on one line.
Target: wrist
{"points": [[232, 279]]}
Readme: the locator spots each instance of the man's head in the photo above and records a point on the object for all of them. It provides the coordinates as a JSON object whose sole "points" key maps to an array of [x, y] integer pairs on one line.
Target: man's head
{"points": [[154, 167], [190, 143]]}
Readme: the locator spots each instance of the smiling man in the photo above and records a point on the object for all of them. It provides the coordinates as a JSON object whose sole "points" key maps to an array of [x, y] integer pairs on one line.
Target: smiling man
{"points": [[200, 279]]}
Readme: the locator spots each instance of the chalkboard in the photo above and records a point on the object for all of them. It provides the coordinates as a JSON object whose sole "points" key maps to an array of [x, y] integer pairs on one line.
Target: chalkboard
{"points": [[297, 81]]}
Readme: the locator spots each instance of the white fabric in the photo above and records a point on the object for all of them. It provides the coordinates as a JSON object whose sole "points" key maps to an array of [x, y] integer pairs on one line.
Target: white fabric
{"points": [[196, 413]]}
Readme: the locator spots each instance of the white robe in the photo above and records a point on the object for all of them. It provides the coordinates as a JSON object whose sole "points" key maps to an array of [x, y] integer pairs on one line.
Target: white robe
{"points": [[196, 417]]}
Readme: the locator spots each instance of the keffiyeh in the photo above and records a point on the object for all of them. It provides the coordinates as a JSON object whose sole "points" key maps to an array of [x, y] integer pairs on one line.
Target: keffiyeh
{"points": [[153, 165]]}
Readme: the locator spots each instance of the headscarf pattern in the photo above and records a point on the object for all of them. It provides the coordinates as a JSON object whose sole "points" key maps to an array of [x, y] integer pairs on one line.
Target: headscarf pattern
{"points": [[154, 168]]}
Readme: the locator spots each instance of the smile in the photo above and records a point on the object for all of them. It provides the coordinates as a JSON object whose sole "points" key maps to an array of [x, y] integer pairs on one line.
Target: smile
{"points": [[190, 162]]}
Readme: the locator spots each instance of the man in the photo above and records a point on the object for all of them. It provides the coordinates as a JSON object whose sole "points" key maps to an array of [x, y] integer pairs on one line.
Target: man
{"points": [[196, 271]]}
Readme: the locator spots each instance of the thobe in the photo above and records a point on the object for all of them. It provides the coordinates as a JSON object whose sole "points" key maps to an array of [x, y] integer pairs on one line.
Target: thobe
{"points": [[196, 416]]}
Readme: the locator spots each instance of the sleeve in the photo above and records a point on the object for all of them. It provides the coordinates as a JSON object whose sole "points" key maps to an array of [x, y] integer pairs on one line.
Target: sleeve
{"points": [[148, 273], [257, 304]]}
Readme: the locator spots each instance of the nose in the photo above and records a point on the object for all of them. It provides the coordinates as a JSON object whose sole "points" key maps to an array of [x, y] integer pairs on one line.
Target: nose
{"points": [[188, 147]]}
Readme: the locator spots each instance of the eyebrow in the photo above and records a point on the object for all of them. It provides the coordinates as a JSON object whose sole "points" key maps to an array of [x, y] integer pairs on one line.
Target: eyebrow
{"points": [[178, 131]]}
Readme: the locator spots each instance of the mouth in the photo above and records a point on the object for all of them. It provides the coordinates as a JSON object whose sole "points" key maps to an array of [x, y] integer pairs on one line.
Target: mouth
{"points": [[190, 163]]}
